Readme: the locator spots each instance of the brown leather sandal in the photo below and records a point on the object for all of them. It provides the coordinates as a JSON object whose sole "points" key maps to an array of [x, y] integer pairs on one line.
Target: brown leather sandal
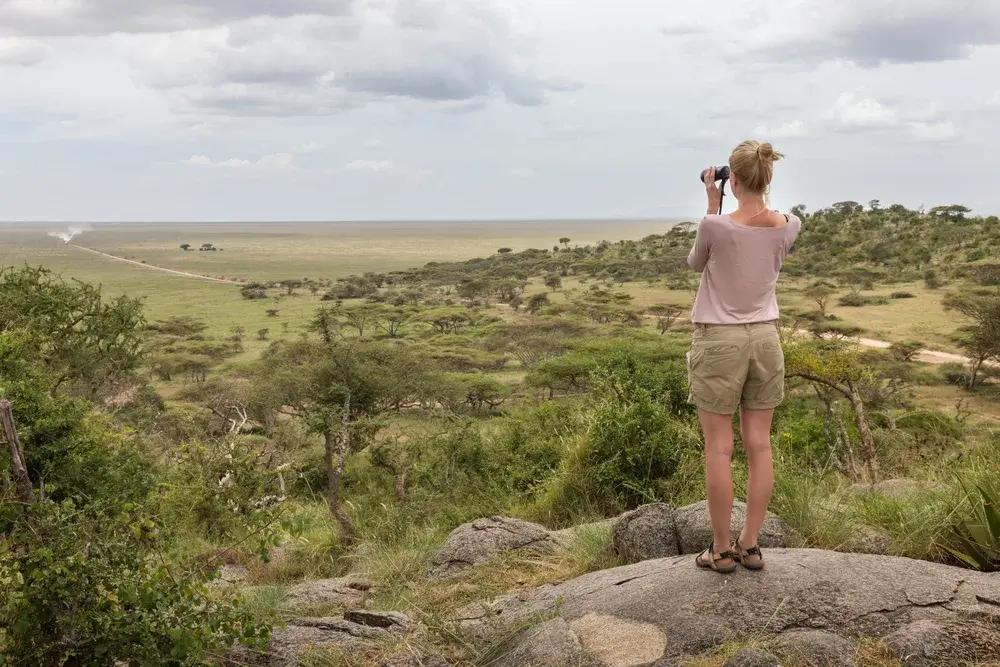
{"points": [[751, 559], [709, 560]]}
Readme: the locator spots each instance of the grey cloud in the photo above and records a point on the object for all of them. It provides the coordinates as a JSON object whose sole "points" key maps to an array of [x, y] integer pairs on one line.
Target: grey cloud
{"points": [[453, 53], [871, 33], [102, 17]]}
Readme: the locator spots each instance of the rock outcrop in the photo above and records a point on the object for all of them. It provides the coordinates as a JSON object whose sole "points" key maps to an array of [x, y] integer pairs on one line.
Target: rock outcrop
{"points": [[752, 657], [660, 611], [474, 543], [646, 533], [817, 648], [659, 531], [945, 644], [300, 635], [694, 528], [328, 594]]}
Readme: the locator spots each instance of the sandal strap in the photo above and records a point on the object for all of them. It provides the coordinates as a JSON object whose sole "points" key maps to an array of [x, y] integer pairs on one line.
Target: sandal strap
{"points": [[752, 551], [723, 555]]}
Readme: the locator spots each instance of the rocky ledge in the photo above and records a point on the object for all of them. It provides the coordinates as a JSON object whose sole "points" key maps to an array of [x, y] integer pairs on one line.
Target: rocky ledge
{"points": [[658, 612]]}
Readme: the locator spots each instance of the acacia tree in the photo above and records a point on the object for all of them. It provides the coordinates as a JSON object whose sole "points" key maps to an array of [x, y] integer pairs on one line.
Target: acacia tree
{"points": [[341, 391], [83, 339], [981, 339], [666, 315], [820, 293], [838, 367]]}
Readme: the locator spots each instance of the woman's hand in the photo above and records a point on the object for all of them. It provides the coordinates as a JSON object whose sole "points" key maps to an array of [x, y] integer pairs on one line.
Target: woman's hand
{"points": [[713, 192]]}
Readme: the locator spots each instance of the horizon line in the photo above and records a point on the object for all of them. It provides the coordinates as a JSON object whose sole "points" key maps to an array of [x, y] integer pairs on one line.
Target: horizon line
{"points": [[637, 218]]}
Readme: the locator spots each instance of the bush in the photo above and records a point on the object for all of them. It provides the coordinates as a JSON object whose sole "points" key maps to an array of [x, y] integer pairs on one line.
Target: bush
{"points": [[901, 295], [81, 587], [227, 489], [636, 438], [853, 300], [905, 350], [932, 280]]}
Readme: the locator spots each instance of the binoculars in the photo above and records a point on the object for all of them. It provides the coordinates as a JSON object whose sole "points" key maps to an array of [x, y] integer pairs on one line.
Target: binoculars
{"points": [[721, 174]]}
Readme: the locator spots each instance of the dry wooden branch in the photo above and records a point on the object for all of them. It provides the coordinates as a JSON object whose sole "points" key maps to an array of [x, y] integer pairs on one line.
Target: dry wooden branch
{"points": [[21, 480]]}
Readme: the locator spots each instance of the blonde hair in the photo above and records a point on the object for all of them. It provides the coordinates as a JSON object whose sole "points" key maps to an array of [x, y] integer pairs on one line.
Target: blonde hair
{"points": [[753, 164]]}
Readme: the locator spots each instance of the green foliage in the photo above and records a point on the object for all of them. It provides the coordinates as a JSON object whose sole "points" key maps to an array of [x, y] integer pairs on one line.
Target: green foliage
{"points": [[183, 326], [83, 587], [905, 350], [977, 541], [228, 490], [65, 444], [79, 338], [638, 434], [525, 449]]}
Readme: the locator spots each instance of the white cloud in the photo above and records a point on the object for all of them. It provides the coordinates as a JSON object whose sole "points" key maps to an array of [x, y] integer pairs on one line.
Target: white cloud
{"points": [[852, 113], [372, 144], [523, 172], [792, 130], [21, 52], [936, 131], [308, 147], [994, 102], [384, 168], [272, 161]]}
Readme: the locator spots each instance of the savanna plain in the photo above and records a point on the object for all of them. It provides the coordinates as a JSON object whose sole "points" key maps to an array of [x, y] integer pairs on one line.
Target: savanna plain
{"points": [[368, 444]]}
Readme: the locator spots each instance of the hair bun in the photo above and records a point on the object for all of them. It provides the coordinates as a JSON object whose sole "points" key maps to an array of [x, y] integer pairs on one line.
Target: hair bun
{"points": [[767, 153]]}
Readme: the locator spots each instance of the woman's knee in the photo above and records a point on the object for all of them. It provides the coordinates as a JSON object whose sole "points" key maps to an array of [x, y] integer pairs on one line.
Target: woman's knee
{"points": [[757, 446]]}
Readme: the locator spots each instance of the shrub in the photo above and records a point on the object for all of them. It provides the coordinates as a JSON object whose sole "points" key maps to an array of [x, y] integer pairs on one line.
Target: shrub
{"points": [[901, 295], [81, 588], [853, 300], [636, 438], [976, 541], [228, 489], [905, 350]]}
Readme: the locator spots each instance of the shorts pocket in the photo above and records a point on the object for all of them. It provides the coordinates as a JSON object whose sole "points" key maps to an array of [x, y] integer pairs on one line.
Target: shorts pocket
{"points": [[713, 369], [766, 384]]}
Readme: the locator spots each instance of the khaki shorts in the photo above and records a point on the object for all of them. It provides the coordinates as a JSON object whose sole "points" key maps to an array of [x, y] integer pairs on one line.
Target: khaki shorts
{"points": [[733, 365]]}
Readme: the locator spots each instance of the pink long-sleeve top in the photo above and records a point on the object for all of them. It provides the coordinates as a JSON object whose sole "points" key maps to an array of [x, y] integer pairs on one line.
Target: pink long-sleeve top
{"points": [[739, 268]]}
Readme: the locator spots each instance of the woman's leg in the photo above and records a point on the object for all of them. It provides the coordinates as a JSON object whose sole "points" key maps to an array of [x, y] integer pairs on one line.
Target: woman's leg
{"points": [[755, 429], [718, 430]]}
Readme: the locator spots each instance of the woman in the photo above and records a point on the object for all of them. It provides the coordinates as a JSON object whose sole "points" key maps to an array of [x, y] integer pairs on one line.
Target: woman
{"points": [[736, 359]]}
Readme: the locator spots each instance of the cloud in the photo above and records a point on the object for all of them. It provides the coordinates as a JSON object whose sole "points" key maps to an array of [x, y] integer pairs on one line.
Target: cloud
{"points": [[456, 54], [383, 168], [935, 131], [792, 130], [272, 161], [684, 29], [851, 113], [104, 17], [523, 173], [308, 148], [869, 33], [21, 52], [994, 102]]}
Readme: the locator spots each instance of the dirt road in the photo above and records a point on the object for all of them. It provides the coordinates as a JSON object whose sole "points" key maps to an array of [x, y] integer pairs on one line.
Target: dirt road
{"points": [[925, 356], [158, 268]]}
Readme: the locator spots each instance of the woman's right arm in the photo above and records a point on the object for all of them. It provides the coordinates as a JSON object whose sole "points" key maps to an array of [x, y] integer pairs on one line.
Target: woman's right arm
{"points": [[698, 257]]}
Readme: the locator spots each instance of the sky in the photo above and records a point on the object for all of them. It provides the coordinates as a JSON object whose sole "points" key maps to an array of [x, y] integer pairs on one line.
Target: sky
{"points": [[261, 110]]}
